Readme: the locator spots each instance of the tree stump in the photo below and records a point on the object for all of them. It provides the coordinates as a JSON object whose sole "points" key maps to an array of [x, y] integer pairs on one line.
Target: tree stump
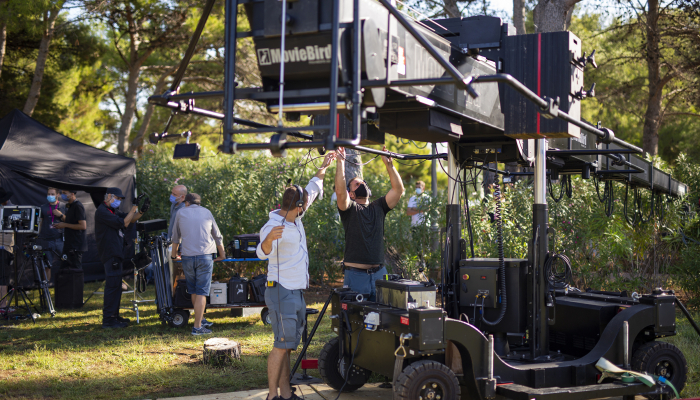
{"points": [[221, 351]]}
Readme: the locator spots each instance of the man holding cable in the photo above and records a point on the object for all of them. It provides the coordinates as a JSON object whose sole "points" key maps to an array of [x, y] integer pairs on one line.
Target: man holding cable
{"points": [[284, 246], [364, 225]]}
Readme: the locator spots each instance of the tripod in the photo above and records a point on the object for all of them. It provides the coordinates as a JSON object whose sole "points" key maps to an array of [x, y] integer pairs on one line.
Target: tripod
{"points": [[16, 292], [39, 263]]}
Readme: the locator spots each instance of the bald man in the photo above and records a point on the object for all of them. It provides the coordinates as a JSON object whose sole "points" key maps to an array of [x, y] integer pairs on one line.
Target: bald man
{"points": [[177, 199]]}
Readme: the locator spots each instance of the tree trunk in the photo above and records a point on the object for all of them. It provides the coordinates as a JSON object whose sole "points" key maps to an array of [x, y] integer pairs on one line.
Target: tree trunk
{"points": [[451, 9], [652, 117], [129, 109], [137, 144], [221, 351], [4, 17], [553, 15], [35, 90], [519, 17]]}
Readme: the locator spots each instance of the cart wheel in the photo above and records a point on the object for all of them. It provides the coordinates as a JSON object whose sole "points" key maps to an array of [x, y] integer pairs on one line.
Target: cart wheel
{"points": [[180, 318], [236, 312], [332, 369], [265, 316], [662, 359], [427, 380]]}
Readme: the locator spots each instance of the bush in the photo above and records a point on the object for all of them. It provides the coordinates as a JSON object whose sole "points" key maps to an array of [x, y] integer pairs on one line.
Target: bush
{"points": [[606, 252]]}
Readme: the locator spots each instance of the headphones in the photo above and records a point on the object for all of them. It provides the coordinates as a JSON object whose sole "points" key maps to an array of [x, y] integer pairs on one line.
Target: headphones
{"points": [[300, 193], [369, 191]]}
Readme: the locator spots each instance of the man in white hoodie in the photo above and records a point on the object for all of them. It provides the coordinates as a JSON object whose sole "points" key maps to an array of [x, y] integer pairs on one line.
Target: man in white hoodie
{"points": [[284, 246]]}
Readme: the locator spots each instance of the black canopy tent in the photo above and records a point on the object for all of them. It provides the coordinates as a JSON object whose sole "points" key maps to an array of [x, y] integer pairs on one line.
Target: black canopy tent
{"points": [[33, 157]]}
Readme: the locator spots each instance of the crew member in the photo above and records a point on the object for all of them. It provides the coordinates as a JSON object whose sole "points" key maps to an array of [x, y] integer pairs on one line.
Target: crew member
{"points": [[74, 224], [177, 202], [364, 225], [50, 238], [284, 246], [196, 228], [415, 203], [109, 234], [7, 242]]}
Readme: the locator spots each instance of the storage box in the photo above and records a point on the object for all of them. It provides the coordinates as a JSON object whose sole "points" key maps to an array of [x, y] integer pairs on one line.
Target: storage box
{"points": [[404, 293], [218, 293], [243, 246], [237, 290]]}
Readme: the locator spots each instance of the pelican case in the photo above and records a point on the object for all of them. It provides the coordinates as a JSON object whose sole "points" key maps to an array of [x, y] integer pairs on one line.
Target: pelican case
{"points": [[244, 246], [237, 290]]}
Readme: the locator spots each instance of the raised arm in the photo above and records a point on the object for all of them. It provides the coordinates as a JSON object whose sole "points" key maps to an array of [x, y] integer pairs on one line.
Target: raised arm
{"points": [[397, 190], [340, 185]]}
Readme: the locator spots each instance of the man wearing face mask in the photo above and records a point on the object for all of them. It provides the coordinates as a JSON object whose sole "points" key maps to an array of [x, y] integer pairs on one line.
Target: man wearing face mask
{"points": [[415, 204], [284, 246], [177, 202], [196, 233], [50, 238], [364, 225], [74, 223], [109, 234]]}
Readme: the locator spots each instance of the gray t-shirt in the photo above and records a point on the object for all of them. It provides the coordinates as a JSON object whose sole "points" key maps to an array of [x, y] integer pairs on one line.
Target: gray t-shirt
{"points": [[364, 231]]}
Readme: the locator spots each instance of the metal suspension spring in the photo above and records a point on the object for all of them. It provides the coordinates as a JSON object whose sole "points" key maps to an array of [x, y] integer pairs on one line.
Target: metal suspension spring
{"points": [[501, 257]]}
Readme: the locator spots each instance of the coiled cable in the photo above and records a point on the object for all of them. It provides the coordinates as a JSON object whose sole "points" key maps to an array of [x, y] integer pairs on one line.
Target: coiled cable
{"points": [[501, 257], [557, 279]]}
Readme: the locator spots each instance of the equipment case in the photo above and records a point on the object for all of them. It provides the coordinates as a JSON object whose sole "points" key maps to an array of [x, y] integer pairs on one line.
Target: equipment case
{"points": [[237, 290]]}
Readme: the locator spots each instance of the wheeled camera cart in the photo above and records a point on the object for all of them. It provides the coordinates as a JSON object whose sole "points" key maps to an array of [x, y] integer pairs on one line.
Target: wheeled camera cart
{"points": [[504, 328]]}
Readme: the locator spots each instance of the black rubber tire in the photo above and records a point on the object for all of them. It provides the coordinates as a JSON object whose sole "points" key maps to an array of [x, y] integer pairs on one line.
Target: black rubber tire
{"points": [[661, 358], [265, 316], [236, 312], [329, 368], [427, 379], [180, 318]]}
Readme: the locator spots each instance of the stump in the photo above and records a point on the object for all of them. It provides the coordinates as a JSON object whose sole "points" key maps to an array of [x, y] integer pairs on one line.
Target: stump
{"points": [[221, 351]]}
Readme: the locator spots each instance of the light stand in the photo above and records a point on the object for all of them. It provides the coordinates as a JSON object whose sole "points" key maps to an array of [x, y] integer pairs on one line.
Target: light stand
{"points": [[15, 292]]}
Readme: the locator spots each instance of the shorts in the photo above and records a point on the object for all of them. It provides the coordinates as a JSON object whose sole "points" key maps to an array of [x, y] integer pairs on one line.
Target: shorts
{"points": [[198, 270], [288, 315], [362, 282]]}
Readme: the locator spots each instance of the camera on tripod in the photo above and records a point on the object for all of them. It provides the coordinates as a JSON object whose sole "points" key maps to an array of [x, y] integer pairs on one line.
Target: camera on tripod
{"points": [[20, 219]]}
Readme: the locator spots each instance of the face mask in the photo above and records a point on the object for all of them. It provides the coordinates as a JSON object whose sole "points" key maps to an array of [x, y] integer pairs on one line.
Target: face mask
{"points": [[361, 191], [173, 199], [51, 199], [298, 217], [419, 190], [64, 197], [115, 203]]}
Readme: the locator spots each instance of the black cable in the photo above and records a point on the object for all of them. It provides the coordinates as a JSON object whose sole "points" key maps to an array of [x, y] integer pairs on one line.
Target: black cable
{"points": [[557, 279], [551, 189], [468, 215], [352, 360], [501, 257], [638, 201], [609, 195], [597, 189], [569, 190], [625, 212]]}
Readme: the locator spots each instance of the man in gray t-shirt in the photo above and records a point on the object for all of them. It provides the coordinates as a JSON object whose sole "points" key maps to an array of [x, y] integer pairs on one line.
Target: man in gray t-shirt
{"points": [[364, 225]]}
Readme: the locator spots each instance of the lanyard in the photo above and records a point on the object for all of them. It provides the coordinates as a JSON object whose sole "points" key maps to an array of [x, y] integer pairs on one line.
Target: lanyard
{"points": [[51, 211]]}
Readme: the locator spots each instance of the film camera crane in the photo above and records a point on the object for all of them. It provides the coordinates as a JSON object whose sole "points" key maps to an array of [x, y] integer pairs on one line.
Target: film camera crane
{"points": [[494, 97]]}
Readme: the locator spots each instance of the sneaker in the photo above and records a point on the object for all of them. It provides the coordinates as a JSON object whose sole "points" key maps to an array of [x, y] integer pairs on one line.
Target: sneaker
{"points": [[200, 331], [114, 324], [206, 323], [120, 319], [293, 397]]}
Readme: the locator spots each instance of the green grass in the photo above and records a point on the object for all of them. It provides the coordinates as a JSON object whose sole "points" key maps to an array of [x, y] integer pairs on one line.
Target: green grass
{"points": [[72, 357]]}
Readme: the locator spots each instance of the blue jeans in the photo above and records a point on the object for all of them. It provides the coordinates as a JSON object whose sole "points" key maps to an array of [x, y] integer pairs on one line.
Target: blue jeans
{"points": [[363, 282], [198, 270]]}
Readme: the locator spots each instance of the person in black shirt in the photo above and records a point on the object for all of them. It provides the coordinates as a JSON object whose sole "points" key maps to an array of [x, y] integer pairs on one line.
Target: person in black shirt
{"points": [[364, 226], [51, 239], [109, 234], [74, 225]]}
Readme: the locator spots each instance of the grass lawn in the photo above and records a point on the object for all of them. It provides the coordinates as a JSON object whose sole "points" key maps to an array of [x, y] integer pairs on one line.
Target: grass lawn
{"points": [[72, 357]]}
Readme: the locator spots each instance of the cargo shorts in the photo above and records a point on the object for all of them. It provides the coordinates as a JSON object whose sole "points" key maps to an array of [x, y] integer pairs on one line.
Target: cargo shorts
{"points": [[288, 315]]}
